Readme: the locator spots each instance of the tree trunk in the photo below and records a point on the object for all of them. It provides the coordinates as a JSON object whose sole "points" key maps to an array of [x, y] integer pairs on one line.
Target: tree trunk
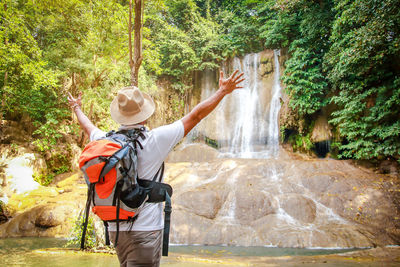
{"points": [[136, 60]]}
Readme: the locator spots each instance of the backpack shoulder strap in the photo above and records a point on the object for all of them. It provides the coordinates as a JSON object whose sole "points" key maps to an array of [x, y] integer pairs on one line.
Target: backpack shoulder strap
{"points": [[160, 170], [132, 136]]}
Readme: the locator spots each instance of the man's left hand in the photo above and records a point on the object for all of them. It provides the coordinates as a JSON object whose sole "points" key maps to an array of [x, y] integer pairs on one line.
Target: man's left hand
{"points": [[75, 102]]}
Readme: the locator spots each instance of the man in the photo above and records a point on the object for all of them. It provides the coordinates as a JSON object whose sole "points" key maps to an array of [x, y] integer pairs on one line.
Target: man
{"points": [[140, 244]]}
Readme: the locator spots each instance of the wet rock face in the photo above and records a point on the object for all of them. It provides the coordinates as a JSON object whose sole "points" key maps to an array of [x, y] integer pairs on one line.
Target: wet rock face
{"points": [[321, 130], [252, 204], [299, 207], [280, 202]]}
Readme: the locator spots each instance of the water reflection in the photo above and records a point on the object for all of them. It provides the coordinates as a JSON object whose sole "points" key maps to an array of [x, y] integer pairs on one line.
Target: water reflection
{"points": [[32, 252], [27, 252]]}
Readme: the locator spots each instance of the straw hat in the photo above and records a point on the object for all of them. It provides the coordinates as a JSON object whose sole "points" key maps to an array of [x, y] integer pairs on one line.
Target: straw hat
{"points": [[131, 106]]}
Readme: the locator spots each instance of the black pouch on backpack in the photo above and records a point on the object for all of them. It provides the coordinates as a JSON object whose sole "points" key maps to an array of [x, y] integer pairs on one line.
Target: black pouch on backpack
{"points": [[156, 190], [134, 196]]}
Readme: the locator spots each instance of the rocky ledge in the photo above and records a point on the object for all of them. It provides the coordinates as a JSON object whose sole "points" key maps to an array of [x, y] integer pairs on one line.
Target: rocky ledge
{"points": [[285, 202]]}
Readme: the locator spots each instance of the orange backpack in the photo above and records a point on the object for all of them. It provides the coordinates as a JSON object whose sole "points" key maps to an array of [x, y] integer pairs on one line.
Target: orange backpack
{"points": [[115, 192]]}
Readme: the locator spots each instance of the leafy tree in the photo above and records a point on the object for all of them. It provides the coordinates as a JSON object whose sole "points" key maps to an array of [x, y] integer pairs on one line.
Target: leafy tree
{"points": [[241, 22], [186, 42], [306, 81], [27, 86], [362, 66], [279, 28]]}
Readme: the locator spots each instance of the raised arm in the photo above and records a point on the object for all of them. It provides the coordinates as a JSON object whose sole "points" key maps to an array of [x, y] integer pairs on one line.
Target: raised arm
{"points": [[226, 86], [75, 104]]}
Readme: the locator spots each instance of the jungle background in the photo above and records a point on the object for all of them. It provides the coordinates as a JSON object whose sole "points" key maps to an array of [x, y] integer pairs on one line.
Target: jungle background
{"points": [[344, 61]]}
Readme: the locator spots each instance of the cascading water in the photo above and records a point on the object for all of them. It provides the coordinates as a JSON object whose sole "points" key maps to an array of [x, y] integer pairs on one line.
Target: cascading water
{"points": [[246, 109], [273, 127], [245, 124]]}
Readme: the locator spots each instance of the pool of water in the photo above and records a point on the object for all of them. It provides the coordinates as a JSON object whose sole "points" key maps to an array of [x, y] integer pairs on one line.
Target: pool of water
{"points": [[29, 252], [252, 251], [34, 252]]}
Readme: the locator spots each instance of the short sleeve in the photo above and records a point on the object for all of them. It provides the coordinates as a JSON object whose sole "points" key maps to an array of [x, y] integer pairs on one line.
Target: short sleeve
{"points": [[97, 134], [168, 136]]}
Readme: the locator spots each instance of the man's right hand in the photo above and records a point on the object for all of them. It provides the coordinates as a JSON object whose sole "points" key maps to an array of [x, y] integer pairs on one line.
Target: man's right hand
{"points": [[230, 84], [226, 86]]}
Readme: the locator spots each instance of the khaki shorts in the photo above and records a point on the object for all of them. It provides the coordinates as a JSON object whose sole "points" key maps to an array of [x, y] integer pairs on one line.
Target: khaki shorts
{"points": [[138, 248]]}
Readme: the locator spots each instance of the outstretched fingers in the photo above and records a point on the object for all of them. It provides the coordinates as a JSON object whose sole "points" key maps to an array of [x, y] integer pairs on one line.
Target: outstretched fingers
{"points": [[72, 101], [238, 77], [233, 75], [70, 97], [241, 80]]}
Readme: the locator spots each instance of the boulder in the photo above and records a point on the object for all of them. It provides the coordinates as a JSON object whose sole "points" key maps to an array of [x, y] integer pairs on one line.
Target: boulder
{"points": [[252, 204], [43, 220], [203, 202], [299, 207]]}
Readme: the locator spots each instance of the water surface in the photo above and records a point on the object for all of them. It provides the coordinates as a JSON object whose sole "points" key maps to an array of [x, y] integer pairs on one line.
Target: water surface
{"points": [[34, 252]]}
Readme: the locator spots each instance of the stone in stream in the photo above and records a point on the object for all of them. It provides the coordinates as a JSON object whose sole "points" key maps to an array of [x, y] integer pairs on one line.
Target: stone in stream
{"points": [[46, 211]]}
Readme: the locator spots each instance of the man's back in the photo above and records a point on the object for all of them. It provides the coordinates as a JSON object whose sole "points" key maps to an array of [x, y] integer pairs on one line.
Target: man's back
{"points": [[156, 146]]}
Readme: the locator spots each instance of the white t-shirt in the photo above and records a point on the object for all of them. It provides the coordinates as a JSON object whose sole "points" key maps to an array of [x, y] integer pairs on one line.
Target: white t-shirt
{"points": [[158, 143]]}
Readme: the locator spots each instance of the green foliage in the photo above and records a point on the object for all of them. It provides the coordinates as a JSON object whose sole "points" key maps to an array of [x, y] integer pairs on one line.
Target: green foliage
{"points": [[279, 30], [48, 132], [179, 58], [362, 66], [301, 143], [239, 33], [44, 179], [58, 162], [182, 45], [306, 82], [346, 53], [27, 86], [75, 235], [14, 148], [211, 142]]}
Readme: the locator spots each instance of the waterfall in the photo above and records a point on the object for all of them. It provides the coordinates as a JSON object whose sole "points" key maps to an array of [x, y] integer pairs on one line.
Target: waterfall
{"points": [[245, 124], [246, 109], [273, 128]]}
